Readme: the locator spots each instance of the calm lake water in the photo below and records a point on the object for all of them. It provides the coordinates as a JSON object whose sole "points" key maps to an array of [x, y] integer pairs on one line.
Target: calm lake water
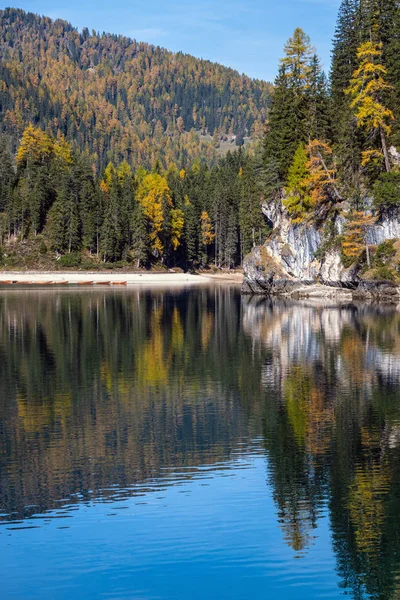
{"points": [[196, 444]]}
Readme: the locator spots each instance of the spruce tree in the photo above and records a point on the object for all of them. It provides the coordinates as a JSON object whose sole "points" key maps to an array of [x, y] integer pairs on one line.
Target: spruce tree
{"points": [[63, 223], [140, 239], [7, 176], [346, 40], [290, 114], [319, 117], [286, 127], [348, 138], [111, 239]]}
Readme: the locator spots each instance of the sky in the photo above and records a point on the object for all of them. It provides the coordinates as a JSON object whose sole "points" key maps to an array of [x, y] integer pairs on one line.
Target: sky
{"points": [[247, 35]]}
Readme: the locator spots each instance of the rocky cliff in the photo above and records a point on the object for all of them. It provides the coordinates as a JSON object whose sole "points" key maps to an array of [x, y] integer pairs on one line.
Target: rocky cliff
{"points": [[298, 260]]}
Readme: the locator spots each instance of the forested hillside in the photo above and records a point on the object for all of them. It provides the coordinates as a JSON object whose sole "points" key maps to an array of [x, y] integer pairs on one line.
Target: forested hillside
{"points": [[119, 99]]}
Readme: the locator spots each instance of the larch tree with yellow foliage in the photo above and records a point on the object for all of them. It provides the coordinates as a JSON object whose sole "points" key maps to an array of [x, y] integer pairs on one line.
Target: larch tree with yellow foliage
{"points": [[298, 201], [165, 222], [207, 233], [355, 235], [154, 196], [322, 178], [41, 162], [367, 87]]}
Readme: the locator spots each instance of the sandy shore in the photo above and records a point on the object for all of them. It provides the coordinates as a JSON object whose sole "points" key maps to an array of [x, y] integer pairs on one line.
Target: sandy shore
{"points": [[95, 278], [232, 277]]}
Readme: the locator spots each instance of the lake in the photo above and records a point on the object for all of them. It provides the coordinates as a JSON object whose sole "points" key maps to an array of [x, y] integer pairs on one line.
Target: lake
{"points": [[197, 444]]}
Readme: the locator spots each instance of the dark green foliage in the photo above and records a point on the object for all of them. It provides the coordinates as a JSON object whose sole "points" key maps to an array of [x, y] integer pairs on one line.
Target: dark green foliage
{"points": [[383, 274], [300, 112], [111, 236], [64, 222], [386, 190], [319, 116], [385, 252], [7, 175], [287, 126], [140, 241], [70, 260], [344, 54]]}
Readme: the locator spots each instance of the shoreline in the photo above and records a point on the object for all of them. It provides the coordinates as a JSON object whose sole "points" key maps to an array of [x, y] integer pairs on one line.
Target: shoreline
{"points": [[383, 292], [70, 278]]}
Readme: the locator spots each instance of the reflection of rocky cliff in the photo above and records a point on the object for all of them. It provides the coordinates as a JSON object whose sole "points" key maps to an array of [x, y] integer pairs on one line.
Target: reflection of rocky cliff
{"points": [[331, 425]]}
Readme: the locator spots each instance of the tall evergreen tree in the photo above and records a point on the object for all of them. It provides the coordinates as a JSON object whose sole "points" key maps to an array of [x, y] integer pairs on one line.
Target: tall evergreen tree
{"points": [[7, 176], [63, 223], [111, 235]]}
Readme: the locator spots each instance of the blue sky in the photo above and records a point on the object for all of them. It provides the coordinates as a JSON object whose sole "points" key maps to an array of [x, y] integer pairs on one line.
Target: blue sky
{"points": [[245, 34]]}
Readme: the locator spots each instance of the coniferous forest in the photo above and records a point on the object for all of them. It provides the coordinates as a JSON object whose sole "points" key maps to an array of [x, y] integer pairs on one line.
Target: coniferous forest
{"points": [[111, 149]]}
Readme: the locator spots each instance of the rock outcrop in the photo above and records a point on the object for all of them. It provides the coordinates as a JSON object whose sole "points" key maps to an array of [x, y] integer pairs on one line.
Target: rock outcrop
{"points": [[291, 263]]}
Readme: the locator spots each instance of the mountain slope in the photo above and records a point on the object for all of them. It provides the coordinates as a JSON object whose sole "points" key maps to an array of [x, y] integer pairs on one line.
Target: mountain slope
{"points": [[117, 98]]}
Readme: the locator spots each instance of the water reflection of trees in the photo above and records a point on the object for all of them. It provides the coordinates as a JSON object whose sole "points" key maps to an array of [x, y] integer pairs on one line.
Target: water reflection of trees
{"points": [[332, 431], [104, 388], [101, 389]]}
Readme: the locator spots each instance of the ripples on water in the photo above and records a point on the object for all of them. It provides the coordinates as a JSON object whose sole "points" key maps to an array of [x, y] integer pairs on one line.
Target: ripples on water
{"points": [[196, 444]]}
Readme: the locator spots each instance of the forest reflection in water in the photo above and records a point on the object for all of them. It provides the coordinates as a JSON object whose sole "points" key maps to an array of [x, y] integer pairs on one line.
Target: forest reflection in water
{"points": [[108, 395]]}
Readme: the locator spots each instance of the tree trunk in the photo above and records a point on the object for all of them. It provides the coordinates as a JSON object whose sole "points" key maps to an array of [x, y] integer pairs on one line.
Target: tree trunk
{"points": [[385, 150], [368, 257]]}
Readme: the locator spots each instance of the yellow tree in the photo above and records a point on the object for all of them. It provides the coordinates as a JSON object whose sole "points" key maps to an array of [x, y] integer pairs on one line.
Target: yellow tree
{"points": [[207, 233], [36, 147], [298, 201], [155, 199], [355, 236], [366, 89], [177, 223], [322, 172], [298, 53]]}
